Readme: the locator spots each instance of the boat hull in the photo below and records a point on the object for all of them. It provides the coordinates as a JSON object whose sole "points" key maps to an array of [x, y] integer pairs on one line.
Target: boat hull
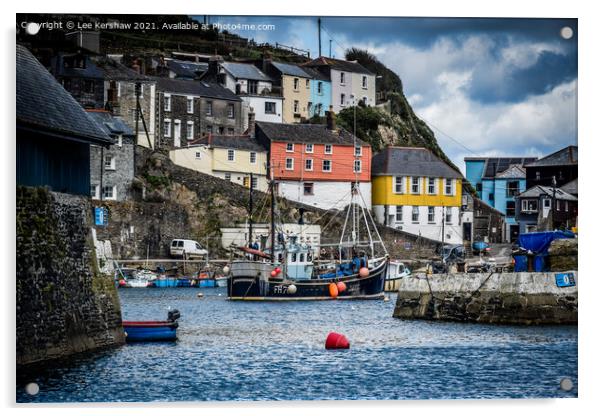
{"points": [[257, 287], [150, 331]]}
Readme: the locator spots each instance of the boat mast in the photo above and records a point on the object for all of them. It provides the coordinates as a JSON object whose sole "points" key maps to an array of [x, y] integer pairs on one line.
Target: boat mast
{"points": [[272, 221], [250, 209]]}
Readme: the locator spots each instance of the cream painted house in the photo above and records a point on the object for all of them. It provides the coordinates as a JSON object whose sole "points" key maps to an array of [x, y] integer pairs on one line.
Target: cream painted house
{"points": [[295, 87], [233, 158]]}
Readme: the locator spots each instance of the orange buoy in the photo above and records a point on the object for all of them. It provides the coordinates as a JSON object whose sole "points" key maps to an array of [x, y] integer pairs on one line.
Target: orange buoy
{"points": [[335, 341], [273, 273], [341, 287], [334, 291], [364, 272]]}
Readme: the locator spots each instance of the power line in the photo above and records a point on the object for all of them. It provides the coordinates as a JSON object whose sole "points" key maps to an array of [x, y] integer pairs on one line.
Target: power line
{"points": [[333, 38], [447, 135]]}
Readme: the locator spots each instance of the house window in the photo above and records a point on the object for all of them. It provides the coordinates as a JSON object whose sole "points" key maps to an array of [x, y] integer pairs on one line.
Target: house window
{"points": [[566, 206], [529, 205], [491, 197], [197, 155], [119, 141], [230, 155], [167, 102], [252, 87], [209, 108], [118, 89], [399, 213], [538, 175], [326, 166], [190, 105], [94, 191], [296, 107], [254, 182], [320, 87], [342, 78], [479, 187], [177, 131], [290, 163], [290, 147], [296, 84], [189, 130], [448, 215], [558, 205], [512, 189], [253, 157], [220, 129], [309, 148], [270, 107], [415, 214], [510, 208], [308, 188], [415, 185], [328, 149], [230, 131], [399, 184], [342, 99], [357, 166], [245, 181], [431, 215], [448, 187], [167, 128], [108, 192], [230, 110], [431, 186], [364, 81], [547, 203], [306, 83], [358, 151], [228, 176], [89, 87], [309, 164]]}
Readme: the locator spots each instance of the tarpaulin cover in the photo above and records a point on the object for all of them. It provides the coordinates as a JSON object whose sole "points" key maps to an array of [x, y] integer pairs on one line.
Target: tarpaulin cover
{"points": [[540, 242]]}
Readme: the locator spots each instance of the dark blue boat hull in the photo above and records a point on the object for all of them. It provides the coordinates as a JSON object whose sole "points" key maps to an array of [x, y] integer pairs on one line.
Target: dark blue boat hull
{"points": [[157, 333]]}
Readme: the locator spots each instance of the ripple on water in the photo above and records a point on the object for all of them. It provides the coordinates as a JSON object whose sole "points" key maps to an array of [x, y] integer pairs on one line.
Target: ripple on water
{"points": [[275, 351]]}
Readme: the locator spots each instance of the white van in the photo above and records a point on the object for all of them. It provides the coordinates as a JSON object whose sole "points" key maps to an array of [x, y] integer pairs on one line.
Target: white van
{"points": [[186, 249]]}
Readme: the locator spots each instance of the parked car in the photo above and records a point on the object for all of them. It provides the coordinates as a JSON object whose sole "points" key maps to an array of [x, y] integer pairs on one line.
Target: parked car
{"points": [[481, 247], [186, 249]]}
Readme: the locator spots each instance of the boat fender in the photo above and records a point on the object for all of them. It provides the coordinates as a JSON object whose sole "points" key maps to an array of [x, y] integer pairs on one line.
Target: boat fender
{"points": [[341, 287], [291, 289], [364, 272], [200, 295], [333, 290], [226, 270], [273, 273], [335, 341]]}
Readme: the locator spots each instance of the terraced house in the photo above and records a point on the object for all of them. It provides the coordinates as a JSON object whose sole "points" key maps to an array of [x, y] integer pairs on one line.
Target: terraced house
{"points": [[316, 164], [187, 110], [415, 191], [295, 86]]}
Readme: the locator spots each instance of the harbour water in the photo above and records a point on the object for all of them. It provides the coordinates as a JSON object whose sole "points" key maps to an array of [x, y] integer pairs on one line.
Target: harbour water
{"points": [[275, 351]]}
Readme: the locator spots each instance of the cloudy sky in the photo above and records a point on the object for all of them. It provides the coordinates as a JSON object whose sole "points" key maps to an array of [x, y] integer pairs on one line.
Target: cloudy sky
{"points": [[485, 86]]}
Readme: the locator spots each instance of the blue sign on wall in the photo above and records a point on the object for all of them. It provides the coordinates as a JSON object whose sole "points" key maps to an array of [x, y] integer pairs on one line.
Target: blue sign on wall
{"points": [[565, 279], [101, 216]]}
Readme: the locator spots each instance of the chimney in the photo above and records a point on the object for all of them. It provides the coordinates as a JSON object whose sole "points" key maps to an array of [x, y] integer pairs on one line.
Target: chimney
{"points": [[331, 123], [266, 61], [213, 68], [251, 128]]}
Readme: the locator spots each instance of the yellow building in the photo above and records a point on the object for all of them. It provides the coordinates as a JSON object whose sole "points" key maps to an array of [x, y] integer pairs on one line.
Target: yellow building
{"points": [[415, 191], [232, 158], [296, 90]]}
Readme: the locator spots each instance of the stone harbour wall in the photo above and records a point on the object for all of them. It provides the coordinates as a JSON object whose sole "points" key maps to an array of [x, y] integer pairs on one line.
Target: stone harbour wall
{"points": [[500, 298], [64, 305]]}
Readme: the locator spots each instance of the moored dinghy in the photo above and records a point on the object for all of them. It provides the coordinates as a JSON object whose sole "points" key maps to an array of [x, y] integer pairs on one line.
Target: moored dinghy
{"points": [[136, 331]]}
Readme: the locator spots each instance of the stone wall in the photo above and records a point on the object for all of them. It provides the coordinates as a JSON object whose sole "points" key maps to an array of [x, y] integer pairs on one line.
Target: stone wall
{"points": [[64, 305], [501, 298]]}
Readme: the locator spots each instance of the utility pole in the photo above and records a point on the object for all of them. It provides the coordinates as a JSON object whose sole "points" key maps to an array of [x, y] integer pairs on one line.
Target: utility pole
{"points": [[319, 37], [442, 232], [251, 209], [330, 49], [553, 199]]}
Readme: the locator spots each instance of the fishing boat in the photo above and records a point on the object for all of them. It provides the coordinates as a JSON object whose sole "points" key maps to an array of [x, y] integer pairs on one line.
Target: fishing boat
{"points": [[221, 281], [396, 271], [142, 278], [136, 331], [287, 270]]}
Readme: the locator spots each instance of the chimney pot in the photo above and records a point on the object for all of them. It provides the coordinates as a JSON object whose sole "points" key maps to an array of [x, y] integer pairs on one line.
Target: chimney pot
{"points": [[251, 128], [330, 120]]}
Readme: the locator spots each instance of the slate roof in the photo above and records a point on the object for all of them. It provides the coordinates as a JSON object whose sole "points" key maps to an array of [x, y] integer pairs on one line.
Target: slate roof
{"points": [[563, 157], [496, 165], [230, 142], [538, 190], [197, 88], [306, 133], [411, 161], [111, 124], [339, 64], [571, 187], [115, 71], [89, 71], [290, 69], [245, 71], [316, 74], [187, 69], [513, 172], [45, 106]]}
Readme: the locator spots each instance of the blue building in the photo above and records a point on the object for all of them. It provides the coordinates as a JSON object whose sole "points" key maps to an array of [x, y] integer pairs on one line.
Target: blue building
{"points": [[498, 181], [321, 93]]}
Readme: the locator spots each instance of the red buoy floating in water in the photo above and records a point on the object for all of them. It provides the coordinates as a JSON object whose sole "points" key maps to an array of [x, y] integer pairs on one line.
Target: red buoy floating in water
{"points": [[341, 287], [333, 290], [335, 341]]}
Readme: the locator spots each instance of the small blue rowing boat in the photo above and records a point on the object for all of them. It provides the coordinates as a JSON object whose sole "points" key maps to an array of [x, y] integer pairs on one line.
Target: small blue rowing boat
{"points": [[136, 331]]}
